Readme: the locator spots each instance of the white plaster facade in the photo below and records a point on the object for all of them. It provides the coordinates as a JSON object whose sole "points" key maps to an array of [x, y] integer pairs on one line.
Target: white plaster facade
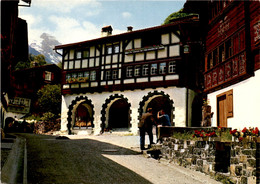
{"points": [[246, 103], [176, 94]]}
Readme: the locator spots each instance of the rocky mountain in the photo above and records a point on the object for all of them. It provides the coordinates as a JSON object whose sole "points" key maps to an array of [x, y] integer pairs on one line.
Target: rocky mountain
{"points": [[45, 47]]}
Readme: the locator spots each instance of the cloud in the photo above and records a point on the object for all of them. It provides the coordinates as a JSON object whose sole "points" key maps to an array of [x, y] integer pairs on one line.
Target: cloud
{"points": [[69, 30], [126, 14], [66, 6]]}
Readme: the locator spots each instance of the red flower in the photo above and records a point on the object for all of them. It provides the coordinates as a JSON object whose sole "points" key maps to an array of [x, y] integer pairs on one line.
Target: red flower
{"points": [[244, 130], [240, 139]]}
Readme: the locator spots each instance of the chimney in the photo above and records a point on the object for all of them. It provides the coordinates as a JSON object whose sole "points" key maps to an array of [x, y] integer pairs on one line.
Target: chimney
{"points": [[129, 29], [106, 31]]}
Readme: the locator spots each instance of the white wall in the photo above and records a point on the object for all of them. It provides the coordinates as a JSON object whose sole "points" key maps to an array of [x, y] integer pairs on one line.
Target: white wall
{"points": [[246, 103], [177, 95]]}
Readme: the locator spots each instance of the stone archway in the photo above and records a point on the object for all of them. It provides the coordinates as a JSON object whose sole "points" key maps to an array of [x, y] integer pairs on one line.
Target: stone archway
{"points": [[80, 114], [157, 101], [115, 113]]}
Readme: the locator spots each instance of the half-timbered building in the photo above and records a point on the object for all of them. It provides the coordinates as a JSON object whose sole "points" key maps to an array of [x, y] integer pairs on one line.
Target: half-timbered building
{"points": [[110, 81], [232, 63]]}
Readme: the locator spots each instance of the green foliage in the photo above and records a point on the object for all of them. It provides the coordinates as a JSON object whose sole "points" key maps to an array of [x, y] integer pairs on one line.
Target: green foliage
{"points": [[176, 15], [40, 59], [22, 65], [48, 116], [33, 117], [59, 64], [49, 98], [184, 136]]}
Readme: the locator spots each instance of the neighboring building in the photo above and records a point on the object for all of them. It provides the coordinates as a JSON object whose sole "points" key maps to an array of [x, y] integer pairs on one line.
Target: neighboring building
{"points": [[14, 48], [26, 85], [232, 63], [108, 82]]}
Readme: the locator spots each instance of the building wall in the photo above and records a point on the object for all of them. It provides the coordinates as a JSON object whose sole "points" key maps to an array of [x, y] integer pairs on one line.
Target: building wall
{"points": [[246, 103], [177, 95]]}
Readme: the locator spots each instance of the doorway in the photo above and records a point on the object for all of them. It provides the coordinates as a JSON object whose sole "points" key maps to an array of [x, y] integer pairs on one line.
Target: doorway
{"points": [[224, 108], [119, 114]]}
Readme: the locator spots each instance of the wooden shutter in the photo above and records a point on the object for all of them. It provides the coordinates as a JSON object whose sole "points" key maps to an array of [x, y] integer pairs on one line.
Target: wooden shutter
{"points": [[229, 96]]}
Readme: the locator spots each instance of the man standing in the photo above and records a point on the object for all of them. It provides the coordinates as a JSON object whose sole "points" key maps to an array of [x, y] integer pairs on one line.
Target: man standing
{"points": [[164, 120], [146, 125]]}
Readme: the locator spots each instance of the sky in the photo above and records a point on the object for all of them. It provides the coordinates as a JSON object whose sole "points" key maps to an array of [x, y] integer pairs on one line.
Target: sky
{"points": [[71, 21]]}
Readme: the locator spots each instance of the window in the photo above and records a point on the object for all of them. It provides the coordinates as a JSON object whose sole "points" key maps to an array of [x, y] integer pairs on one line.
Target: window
{"points": [[129, 71], [221, 54], [215, 57], [77, 64], [68, 76], [145, 70], [112, 49], [71, 65], [162, 68], [116, 48], [86, 74], [86, 53], [137, 70], [48, 76], [108, 75], [78, 54], [93, 75], [74, 75], [80, 74], [153, 69], [65, 66], [115, 74], [172, 67], [242, 40], [228, 49], [209, 61], [109, 49]]}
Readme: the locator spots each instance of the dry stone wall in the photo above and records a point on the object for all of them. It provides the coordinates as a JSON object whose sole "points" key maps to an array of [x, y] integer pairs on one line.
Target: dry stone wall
{"points": [[229, 162]]}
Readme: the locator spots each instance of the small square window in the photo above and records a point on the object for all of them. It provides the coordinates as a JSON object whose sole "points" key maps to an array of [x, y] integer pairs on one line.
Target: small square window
{"points": [[115, 74], [129, 71], [78, 54], [153, 69], [145, 70], [109, 49], [137, 70], [48, 76], [116, 48], [86, 74], [162, 69], [108, 75], [172, 67], [85, 53], [93, 75]]}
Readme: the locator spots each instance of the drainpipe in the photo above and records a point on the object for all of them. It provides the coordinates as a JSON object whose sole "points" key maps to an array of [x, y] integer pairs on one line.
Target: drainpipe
{"points": [[187, 107]]}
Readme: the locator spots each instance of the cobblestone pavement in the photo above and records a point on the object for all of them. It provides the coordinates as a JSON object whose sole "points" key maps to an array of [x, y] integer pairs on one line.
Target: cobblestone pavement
{"points": [[99, 159]]}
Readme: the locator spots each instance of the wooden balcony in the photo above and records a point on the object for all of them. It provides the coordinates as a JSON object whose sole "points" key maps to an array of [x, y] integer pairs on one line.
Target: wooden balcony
{"points": [[226, 72]]}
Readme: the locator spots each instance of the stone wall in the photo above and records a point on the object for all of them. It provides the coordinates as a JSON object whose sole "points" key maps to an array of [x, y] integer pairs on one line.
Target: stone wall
{"points": [[227, 162]]}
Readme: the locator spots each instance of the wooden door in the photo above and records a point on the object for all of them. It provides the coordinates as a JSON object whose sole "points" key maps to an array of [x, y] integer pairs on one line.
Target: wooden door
{"points": [[222, 111]]}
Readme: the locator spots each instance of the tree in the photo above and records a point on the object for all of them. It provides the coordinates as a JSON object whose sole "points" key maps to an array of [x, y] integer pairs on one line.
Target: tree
{"points": [[59, 64], [49, 98], [22, 65], [176, 15], [40, 59]]}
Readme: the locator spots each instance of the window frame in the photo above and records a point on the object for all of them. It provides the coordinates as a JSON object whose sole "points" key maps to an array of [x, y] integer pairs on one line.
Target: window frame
{"points": [[129, 71]]}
